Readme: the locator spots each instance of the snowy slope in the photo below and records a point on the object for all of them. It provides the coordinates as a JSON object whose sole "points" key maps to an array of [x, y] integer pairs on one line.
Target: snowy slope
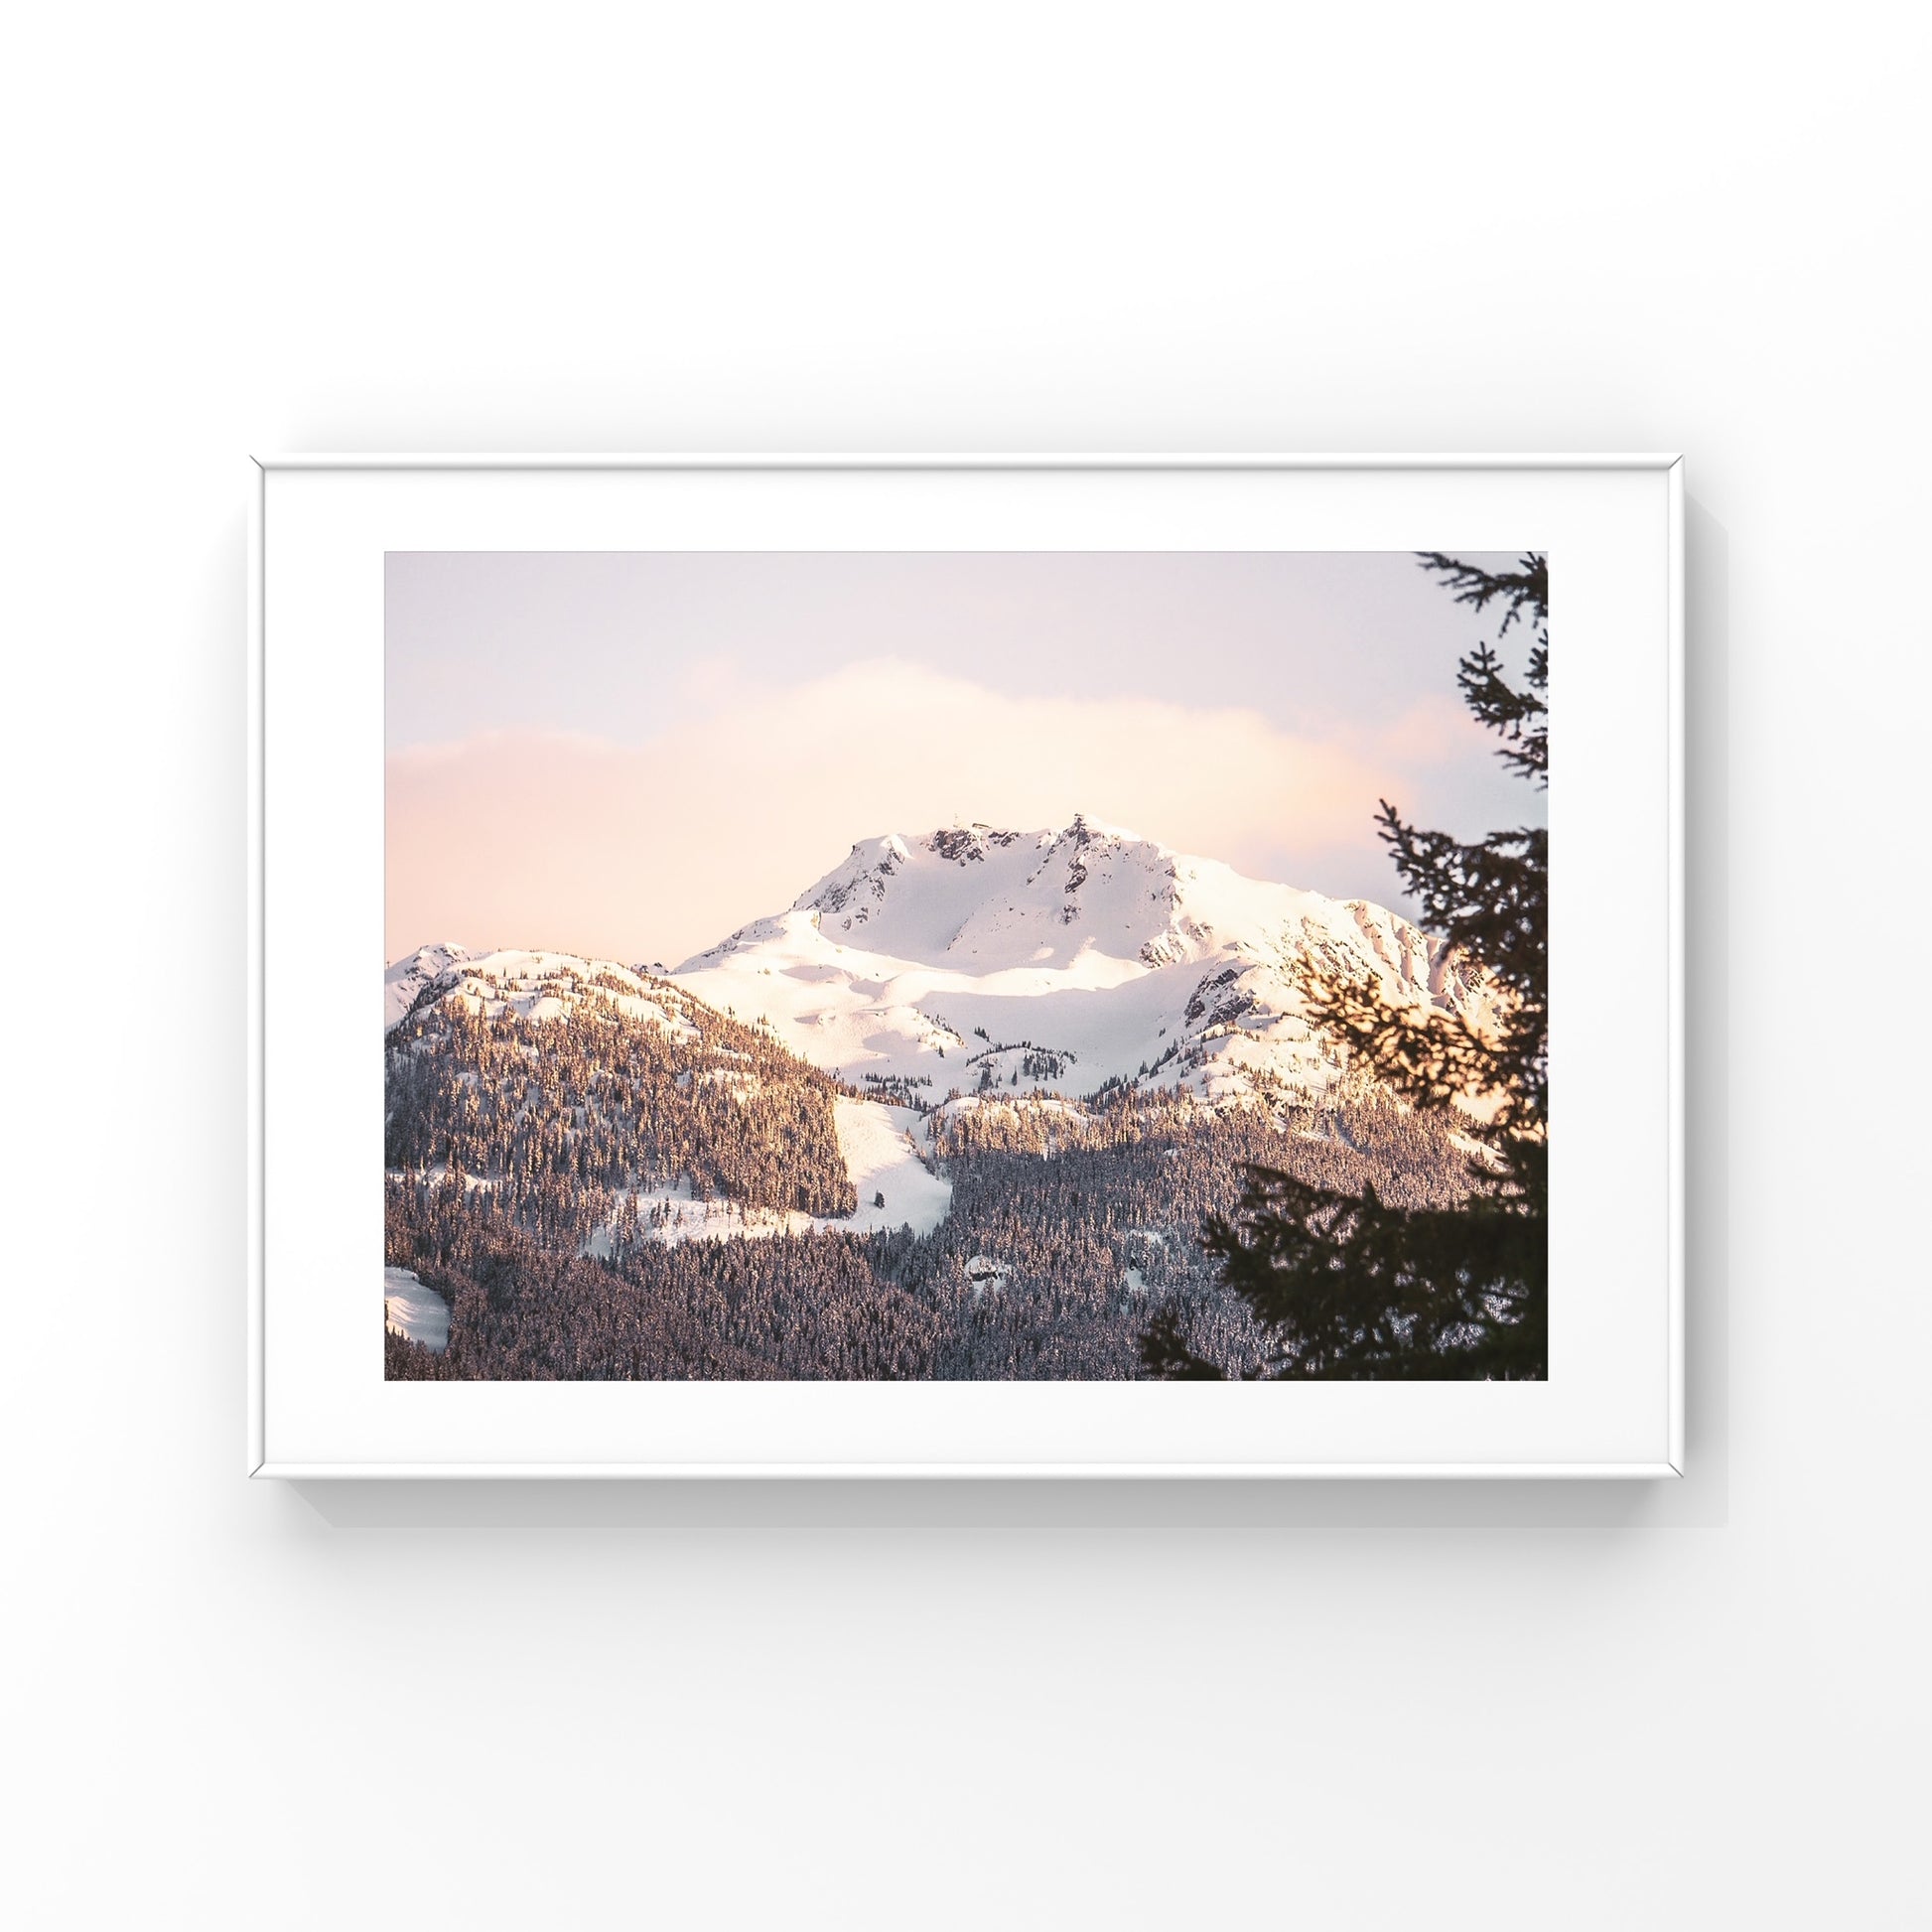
{"points": [[980, 958], [880, 1157], [896, 1190], [409, 1309], [403, 980], [874, 1138], [533, 985]]}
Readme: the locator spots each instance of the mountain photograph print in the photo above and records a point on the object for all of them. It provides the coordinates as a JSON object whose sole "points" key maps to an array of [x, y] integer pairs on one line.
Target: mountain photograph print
{"points": [[944, 966]]}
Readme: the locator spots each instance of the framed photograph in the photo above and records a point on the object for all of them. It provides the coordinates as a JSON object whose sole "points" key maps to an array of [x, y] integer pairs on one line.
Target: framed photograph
{"points": [[1019, 966]]}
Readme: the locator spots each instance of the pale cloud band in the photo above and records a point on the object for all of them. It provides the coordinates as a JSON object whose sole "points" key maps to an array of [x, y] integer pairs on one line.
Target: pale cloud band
{"points": [[653, 851]]}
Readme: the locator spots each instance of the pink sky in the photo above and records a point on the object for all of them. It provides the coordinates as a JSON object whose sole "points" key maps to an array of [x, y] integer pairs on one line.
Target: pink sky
{"points": [[730, 773]]}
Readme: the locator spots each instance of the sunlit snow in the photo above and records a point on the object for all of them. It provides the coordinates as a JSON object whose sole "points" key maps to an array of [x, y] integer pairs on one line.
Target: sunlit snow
{"points": [[994, 961], [881, 1159]]}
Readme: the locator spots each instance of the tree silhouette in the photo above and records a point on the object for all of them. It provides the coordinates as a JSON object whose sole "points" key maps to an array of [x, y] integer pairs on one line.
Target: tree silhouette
{"points": [[1349, 1285]]}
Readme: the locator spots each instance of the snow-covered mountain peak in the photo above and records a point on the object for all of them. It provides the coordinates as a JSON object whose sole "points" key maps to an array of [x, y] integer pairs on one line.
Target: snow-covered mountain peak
{"points": [[1059, 959], [407, 977], [996, 962], [531, 985], [999, 899], [1085, 830]]}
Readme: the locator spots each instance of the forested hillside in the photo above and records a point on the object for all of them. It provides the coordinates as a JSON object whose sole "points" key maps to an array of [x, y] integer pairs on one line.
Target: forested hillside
{"points": [[1070, 1224], [547, 1114]]}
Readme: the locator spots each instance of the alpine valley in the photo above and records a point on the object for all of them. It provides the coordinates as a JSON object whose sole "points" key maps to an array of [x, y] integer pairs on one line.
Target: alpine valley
{"points": [[960, 1111]]}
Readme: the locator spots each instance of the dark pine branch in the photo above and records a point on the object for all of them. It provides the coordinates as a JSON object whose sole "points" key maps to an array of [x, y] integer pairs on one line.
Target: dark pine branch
{"points": [[1353, 1286], [1524, 589]]}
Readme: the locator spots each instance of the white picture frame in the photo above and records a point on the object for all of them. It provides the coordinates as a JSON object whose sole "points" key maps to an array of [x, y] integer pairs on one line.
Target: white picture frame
{"points": [[1614, 525]]}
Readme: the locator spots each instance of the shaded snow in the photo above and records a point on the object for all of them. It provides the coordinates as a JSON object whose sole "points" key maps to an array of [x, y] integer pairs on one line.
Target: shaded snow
{"points": [[679, 1216], [409, 1309]]}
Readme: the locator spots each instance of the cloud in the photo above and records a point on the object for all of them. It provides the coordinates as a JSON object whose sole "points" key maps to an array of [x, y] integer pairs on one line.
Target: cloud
{"points": [[654, 851]]}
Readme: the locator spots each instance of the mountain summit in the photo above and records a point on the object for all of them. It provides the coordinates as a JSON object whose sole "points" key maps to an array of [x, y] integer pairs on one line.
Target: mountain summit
{"points": [[987, 959]]}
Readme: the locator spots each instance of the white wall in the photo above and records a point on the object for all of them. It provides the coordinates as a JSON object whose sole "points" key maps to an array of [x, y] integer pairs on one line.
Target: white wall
{"points": [[366, 228]]}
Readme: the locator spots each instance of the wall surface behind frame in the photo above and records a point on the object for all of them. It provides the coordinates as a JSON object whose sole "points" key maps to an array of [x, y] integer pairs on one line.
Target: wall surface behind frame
{"points": [[236, 1705]]}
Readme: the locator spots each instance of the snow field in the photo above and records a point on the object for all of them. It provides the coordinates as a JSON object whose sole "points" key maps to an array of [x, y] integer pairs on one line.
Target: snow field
{"points": [[409, 1309]]}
